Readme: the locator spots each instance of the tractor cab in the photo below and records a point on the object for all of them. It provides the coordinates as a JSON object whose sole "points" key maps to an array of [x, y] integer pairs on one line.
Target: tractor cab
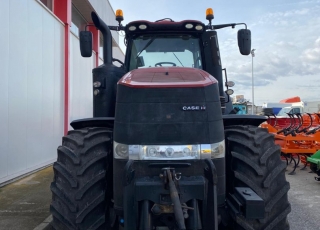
{"points": [[164, 43]]}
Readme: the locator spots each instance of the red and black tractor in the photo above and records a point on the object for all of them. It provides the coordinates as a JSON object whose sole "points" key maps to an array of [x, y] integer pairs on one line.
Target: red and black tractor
{"points": [[160, 151]]}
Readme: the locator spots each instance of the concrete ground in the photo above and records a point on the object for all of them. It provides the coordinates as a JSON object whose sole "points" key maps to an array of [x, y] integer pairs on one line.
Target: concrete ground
{"points": [[24, 204], [304, 196]]}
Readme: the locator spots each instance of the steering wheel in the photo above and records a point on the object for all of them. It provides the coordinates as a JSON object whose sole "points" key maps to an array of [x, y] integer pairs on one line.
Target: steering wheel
{"points": [[161, 63]]}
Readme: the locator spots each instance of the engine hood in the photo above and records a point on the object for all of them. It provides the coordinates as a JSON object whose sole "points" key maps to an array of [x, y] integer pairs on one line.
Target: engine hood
{"points": [[166, 77]]}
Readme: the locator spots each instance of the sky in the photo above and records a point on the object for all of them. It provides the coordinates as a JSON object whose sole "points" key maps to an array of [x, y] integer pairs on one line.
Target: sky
{"points": [[285, 34]]}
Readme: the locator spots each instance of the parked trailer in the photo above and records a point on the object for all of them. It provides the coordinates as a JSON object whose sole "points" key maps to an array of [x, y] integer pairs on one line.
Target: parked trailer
{"points": [[301, 107], [311, 107], [275, 106]]}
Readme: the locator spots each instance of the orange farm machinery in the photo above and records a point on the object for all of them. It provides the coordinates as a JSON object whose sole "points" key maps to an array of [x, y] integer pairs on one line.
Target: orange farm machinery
{"points": [[298, 136]]}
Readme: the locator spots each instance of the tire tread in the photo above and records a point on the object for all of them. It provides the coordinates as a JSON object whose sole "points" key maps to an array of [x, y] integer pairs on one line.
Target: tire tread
{"points": [[254, 161], [80, 179]]}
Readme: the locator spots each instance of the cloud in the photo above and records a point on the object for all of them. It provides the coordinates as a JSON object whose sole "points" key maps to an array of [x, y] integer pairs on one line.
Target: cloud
{"points": [[285, 36], [287, 47], [312, 55]]}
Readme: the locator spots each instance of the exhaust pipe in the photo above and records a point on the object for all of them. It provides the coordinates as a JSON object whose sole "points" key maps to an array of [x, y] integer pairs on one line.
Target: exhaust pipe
{"points": [[107, 38]]}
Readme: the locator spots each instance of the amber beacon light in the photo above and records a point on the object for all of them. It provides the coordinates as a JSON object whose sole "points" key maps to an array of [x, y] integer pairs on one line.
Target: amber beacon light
{"points": [[209, 14], [119, 16]]}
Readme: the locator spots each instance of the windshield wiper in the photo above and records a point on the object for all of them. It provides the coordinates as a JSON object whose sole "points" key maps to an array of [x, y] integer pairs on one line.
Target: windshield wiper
{"points": [[178, 59], [145, 47]]}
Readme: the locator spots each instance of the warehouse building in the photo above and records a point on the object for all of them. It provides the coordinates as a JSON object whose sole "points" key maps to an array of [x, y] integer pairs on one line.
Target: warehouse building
{"points": [[45, 83]]}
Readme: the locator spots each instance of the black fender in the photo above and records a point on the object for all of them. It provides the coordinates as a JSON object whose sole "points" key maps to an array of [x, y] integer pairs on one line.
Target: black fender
{"points": [[93, 122], [243, 119]]}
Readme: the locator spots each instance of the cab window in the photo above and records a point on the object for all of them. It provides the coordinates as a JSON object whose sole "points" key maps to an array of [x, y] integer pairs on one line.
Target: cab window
{"points": [[156, 51]]}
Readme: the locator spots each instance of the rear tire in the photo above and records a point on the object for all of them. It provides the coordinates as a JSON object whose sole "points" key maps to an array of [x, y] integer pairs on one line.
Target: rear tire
{"points": [[253, 160], [82, 177]]}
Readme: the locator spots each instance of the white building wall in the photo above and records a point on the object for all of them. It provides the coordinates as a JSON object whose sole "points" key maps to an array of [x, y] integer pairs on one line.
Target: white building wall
{"points": [[31, 89], [32, 84], [80, 84]]}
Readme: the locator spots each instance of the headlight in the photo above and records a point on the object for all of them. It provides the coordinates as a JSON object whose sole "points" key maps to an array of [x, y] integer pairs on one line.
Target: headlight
{"points": [[132, 28], [189, 26], [121, 151], [96, 84], [211, 151], [142, 27], [218, 150], [96, 92], [199, 27], [169, 152]]}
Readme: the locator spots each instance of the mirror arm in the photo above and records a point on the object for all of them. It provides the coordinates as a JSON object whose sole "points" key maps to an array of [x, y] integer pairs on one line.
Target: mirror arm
{"points": [[216, 27], [117, 28]]}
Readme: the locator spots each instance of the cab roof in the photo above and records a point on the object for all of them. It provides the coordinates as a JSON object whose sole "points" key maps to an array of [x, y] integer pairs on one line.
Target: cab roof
{"points": [[164, 25]]}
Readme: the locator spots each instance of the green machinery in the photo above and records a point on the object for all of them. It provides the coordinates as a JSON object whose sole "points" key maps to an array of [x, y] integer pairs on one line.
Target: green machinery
{"points": [[315, 164]]}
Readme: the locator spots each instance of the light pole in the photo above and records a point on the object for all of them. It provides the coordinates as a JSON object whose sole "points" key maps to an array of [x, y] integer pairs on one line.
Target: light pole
{"points": [[252, 107]]}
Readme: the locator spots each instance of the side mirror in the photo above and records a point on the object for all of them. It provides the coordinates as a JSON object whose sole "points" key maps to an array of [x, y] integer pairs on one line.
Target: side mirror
{"points": [[244, 41], [86, 43]]}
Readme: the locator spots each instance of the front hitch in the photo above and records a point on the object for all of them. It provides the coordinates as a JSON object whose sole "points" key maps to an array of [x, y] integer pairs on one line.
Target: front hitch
{"points": [[169, 199], [178, 213]]}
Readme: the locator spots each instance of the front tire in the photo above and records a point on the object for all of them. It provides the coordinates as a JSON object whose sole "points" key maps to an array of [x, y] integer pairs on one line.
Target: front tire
{"points": [[82, 175], [253, 160]]}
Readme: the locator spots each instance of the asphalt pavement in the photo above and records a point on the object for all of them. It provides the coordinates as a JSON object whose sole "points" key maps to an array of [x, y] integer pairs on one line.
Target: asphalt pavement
{"points": [[24, 204], [304, 196]]}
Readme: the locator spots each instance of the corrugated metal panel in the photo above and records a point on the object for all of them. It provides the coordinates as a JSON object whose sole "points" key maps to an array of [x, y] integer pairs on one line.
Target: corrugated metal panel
{"points": [[35, 82], [31, 89], [4, 89], [32, 84], [17, 159], [81, 105]]}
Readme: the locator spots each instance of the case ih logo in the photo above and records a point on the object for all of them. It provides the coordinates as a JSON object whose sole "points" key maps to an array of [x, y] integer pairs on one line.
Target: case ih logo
{"points": [[193, 107]]}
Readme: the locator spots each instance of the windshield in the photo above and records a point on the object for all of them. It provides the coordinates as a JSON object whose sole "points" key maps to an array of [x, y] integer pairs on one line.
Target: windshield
{"points": [[284, 111], [165, 50]]}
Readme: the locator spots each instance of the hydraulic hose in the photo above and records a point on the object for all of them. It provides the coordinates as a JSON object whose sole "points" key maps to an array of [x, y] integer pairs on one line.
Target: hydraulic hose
{"points": [[176, 202]]}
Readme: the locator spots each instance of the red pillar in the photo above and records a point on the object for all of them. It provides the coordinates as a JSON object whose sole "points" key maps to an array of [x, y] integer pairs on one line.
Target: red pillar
{"points": [[62, 9]]}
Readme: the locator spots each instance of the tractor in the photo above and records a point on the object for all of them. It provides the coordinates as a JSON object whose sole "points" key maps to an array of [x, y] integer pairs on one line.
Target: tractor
{"points": [[160, 151]]}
